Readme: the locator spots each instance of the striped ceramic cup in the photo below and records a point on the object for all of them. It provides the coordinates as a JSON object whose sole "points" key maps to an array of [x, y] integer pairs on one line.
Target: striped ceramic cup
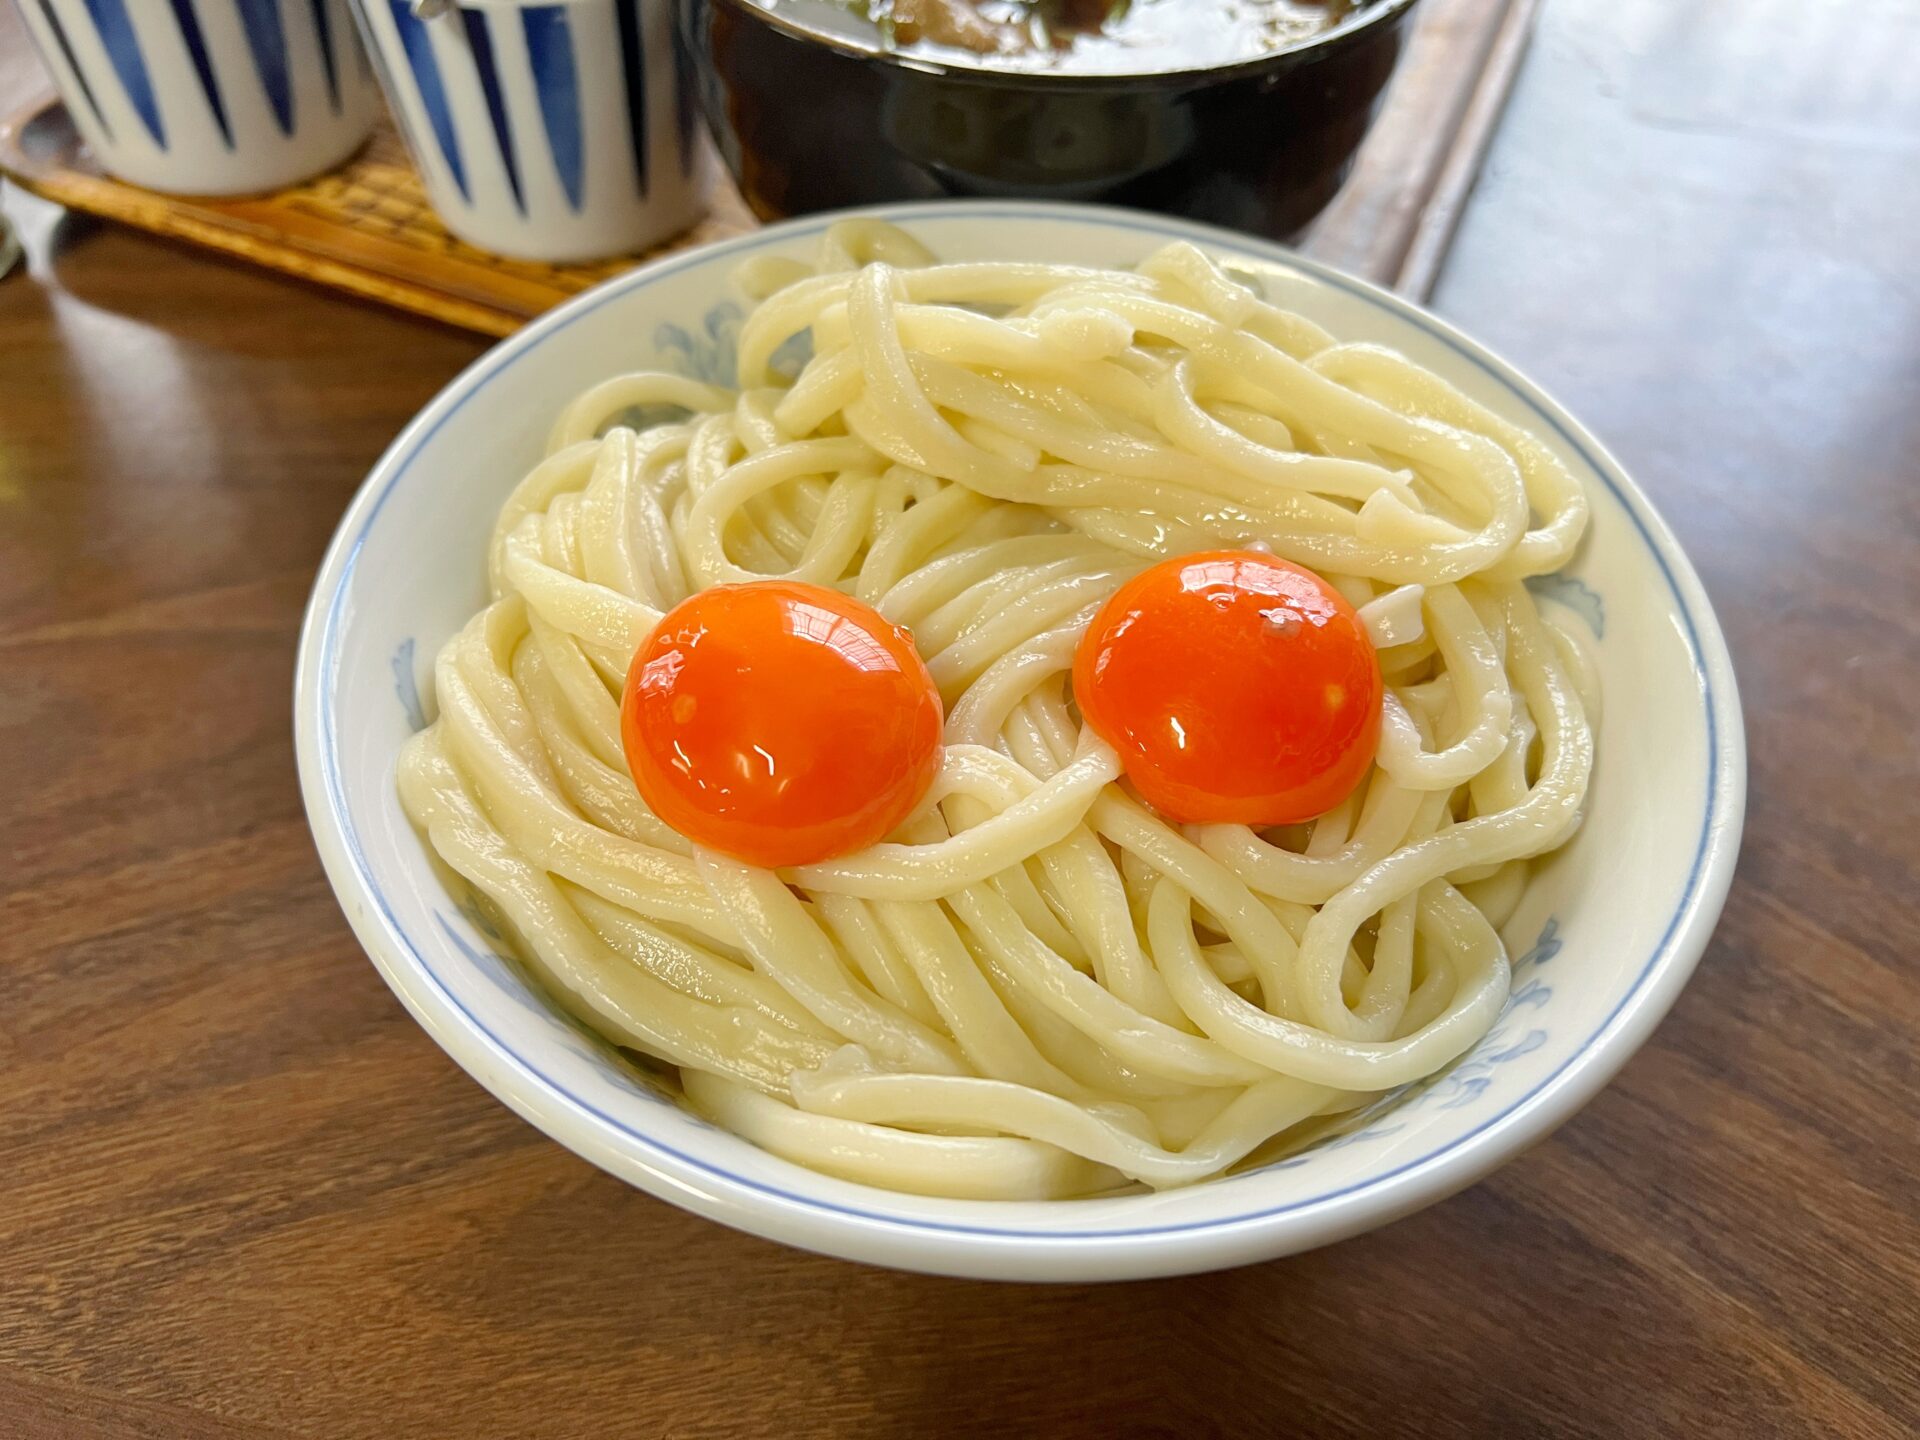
{"points": [[209, 97], [558, 131]]}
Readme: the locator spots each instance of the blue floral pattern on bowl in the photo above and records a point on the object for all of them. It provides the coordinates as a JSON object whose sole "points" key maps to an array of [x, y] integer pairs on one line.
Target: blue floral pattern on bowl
{"points": [[708, 355], [1470, 1077], [405, 688], [712, 353], [1576, 595]]}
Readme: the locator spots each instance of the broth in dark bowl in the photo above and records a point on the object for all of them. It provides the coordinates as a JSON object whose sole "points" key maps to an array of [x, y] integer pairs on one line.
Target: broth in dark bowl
{"points": [[1070, 37], [816, 106]]}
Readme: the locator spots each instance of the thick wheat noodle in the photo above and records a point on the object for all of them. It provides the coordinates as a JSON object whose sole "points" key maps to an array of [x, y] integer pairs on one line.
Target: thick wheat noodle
{"points": [[1037, 987]]}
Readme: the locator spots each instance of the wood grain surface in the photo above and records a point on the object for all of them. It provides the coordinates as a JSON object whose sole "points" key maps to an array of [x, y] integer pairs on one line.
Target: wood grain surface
{"points": [[242, 1194], [1393, 220]]}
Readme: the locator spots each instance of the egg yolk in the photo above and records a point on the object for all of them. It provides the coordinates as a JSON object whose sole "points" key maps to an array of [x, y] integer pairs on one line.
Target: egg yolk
{"points": [[1235, 686], [780, 723]]}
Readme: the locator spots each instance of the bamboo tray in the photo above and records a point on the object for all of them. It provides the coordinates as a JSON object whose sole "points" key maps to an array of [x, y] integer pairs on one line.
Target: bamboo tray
{"points": [[367, 228]]}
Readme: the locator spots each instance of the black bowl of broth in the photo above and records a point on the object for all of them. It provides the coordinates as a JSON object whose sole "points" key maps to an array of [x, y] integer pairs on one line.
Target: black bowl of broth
{"points": [[1245, 113]]}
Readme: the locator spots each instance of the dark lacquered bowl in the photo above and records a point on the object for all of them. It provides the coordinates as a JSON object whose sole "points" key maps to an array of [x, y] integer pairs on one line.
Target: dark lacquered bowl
{"points": [[810, 123]]}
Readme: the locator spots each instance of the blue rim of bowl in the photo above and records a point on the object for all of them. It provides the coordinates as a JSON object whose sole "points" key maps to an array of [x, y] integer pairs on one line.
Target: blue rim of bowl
{"points": [[1693, 914]]}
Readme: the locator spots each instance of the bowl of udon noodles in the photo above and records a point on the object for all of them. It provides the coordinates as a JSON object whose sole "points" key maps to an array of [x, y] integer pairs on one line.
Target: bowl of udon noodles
{"points": [[1019, 740], [1244, 113]]}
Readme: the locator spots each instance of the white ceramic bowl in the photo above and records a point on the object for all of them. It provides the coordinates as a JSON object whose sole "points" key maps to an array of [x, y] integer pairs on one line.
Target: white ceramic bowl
{"points": [[222, 97], [1604, 940], [560, 130]]}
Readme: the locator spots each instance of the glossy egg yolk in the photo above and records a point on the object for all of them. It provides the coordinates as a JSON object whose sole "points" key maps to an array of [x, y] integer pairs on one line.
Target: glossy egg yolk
{"points": [[780, 723], [1235, 686]]}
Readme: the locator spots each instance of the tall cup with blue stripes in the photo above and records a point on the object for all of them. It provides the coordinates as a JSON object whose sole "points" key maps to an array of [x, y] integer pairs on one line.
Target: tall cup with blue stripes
{"points": [[558, 131], [209, 97]]}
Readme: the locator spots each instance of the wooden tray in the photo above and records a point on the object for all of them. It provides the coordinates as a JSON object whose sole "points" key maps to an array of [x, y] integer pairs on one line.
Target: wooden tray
{"points": [[367, 228]]}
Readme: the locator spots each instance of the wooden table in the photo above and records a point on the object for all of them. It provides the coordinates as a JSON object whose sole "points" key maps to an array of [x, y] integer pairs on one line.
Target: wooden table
{"points": [[242, 1194]]}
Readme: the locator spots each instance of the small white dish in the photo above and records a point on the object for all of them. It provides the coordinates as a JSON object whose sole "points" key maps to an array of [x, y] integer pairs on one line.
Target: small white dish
{"points": [[219, 97], [561, 130], [1603, 942]]}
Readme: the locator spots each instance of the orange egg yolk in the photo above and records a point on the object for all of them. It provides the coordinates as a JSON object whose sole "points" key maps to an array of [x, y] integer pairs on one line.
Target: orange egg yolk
{"points": [[780, 723], [1235, 686]]}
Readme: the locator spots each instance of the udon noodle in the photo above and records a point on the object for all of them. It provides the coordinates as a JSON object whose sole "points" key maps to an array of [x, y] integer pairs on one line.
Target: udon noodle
{"points": [[1038, 986]]}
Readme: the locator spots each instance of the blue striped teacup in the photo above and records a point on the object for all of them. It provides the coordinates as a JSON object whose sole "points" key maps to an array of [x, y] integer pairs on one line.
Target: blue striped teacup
{"points": [[209, 97], [556, 131]]}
